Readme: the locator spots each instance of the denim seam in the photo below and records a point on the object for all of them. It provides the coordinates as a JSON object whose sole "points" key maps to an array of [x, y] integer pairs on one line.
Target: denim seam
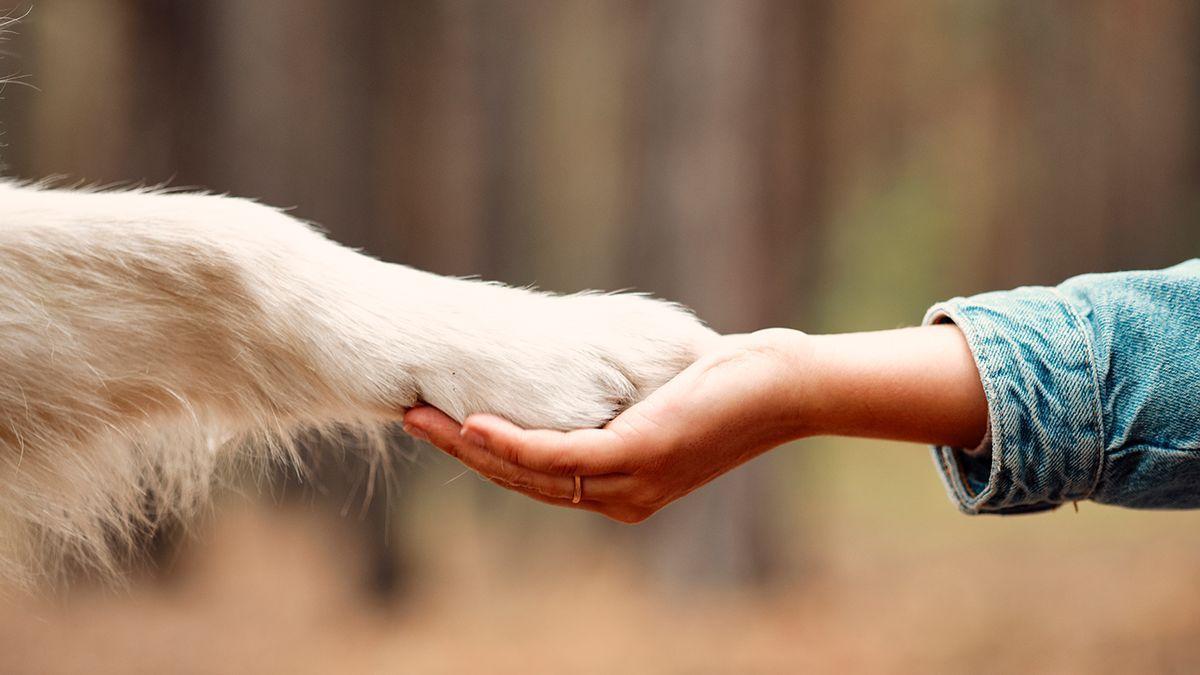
{"points": [[1098, 406], [949, 475], [951, 472]]}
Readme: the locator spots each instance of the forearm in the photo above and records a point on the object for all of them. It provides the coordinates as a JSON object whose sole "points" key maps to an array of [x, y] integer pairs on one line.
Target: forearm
{"points": [[911, 384]]}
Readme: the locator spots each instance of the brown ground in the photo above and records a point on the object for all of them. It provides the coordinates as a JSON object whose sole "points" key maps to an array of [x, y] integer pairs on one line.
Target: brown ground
{"points": [[884, 577], [265, 592]]}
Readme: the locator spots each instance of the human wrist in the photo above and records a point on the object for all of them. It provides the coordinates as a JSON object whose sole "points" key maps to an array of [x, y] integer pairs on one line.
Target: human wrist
{"points": [[822, 410], [785, 392], [848, 384]]}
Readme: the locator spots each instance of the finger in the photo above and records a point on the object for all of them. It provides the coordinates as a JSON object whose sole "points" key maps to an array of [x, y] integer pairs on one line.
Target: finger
{"points": [[584, 452], [585, 504], [434, 426], [417, 419], [443, 432], [609, 488], [615, 512]]}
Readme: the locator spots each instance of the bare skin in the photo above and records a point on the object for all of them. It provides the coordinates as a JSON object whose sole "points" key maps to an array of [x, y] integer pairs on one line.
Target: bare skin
{"points": [[748, 394]]}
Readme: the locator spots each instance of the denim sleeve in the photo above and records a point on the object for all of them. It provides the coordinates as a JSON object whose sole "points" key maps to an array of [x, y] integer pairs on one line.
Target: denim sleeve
{"points": [[1093, 392]]}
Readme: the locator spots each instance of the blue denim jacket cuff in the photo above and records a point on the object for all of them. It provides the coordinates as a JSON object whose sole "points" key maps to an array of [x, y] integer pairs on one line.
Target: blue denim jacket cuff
{"points": [[1036, 360]]}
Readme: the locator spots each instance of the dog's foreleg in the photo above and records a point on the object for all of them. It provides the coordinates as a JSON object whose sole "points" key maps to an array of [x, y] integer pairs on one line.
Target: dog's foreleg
{"points": [[141, 333]]}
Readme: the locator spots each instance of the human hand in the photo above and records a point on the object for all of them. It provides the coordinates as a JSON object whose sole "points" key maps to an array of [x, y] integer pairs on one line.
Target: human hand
{"points": [[740, 399], [745, 395]]}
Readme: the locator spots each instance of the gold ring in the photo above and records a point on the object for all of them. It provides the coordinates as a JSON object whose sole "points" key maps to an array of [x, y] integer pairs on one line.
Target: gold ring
{"points": [[575, 499]]}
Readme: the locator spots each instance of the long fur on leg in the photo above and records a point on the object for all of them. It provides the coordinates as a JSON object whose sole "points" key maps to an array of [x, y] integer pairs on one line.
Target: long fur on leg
{"points": [[144, 337]]}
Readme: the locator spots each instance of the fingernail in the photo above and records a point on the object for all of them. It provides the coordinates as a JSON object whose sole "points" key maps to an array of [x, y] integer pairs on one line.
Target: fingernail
{"points": [[415, 432], [474, 438]]}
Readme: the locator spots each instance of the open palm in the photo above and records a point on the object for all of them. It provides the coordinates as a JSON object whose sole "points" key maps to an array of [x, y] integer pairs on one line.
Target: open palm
{"points": [[737, 401]]}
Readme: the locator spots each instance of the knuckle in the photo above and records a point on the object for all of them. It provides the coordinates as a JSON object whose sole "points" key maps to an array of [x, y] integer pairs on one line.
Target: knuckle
{"points": [[506, 451]]}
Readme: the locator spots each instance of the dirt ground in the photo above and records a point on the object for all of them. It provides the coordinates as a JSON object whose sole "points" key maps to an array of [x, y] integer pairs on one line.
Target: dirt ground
{"points": [[265, 592]]}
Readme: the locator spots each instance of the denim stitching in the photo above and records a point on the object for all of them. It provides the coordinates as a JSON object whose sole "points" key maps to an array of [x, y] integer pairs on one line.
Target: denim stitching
{"points": [[951, 472], [1098, 409]]}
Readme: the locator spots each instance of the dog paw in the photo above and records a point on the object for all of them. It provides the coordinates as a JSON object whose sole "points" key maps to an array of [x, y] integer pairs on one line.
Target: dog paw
{"points": [[559, 362]]}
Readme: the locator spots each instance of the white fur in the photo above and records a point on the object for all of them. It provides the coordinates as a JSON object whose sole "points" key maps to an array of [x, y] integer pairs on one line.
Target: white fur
{"points": [[144, 336]]}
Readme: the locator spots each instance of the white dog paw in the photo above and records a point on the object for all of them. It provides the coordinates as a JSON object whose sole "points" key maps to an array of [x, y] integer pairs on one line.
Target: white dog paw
{"points": [[559, 362]]}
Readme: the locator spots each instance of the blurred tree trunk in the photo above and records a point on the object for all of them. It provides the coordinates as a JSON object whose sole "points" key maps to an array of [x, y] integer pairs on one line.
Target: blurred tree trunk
{"points": [[81, 122], [430, 151], [303, 139], [17, 56], [1099, 134], [731, 184]]}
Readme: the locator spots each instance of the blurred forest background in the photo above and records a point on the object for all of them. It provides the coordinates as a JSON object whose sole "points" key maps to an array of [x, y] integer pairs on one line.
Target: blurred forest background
{"points": [[828, 166]]}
